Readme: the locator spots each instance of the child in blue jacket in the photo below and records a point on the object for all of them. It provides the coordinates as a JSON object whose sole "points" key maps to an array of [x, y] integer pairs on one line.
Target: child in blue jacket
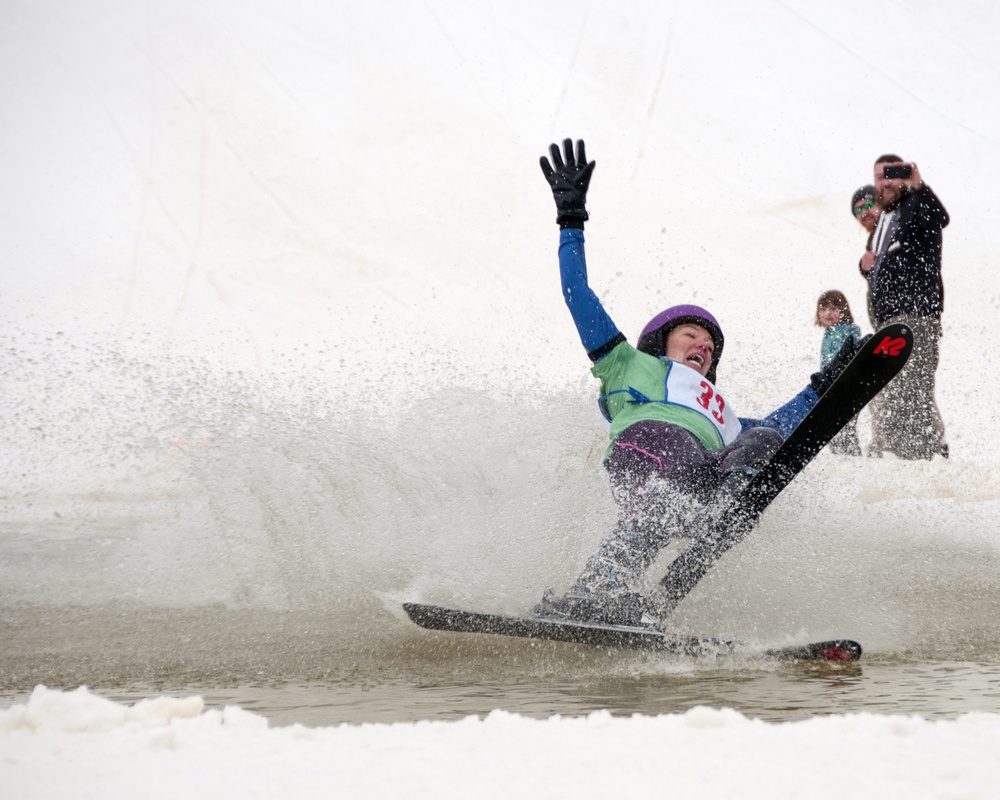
{"points": [[833, 314]]}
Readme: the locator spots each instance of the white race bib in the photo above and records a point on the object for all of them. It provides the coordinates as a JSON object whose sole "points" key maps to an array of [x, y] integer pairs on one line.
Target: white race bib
{"points": [[686, 387]]}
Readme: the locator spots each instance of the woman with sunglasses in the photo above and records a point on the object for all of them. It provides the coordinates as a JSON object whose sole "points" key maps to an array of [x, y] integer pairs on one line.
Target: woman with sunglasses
{"points": [[866, 212]]}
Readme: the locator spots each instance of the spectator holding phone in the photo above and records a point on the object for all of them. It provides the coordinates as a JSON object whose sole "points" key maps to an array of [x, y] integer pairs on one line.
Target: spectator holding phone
{"points": [[904, 283]]}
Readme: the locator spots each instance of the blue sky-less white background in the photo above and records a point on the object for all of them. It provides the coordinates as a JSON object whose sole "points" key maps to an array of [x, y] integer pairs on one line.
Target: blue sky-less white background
{"points": [[281, 322]]}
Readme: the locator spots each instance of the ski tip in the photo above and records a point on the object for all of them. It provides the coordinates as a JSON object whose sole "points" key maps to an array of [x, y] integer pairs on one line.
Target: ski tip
{"points": [[423, 615], [839, 650], [836, 650]]}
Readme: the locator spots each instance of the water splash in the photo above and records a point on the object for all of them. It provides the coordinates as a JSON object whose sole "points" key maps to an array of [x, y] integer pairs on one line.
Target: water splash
{"points": [[195, 512]]}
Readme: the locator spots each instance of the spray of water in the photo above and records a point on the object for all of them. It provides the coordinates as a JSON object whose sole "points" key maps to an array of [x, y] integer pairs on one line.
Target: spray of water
{"points": [[168, 515]]}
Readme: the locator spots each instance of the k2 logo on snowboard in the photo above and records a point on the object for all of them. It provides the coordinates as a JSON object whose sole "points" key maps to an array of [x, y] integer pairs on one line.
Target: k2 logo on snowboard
{"points": [[890, 347]]}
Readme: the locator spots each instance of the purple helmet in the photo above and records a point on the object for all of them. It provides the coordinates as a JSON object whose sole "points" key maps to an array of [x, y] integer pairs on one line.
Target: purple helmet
{"points": [[653, 339]]}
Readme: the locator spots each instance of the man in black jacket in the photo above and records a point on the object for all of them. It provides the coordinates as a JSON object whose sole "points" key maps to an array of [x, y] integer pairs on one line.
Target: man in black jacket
{"points": [[904, 284]]}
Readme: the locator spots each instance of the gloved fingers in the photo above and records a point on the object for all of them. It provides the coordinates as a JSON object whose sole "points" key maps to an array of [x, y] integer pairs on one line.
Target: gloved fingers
{"points": [[566, 163], [557, 159], [570, 158], [547, 170], [859, 343]]}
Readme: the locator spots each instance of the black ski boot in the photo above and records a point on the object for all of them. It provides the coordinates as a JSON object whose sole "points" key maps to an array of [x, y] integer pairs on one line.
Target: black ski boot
{"points": [[624, 608]]}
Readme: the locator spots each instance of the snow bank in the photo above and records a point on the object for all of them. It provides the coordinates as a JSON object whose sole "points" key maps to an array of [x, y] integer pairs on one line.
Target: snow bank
{"points": [[76, 744]]}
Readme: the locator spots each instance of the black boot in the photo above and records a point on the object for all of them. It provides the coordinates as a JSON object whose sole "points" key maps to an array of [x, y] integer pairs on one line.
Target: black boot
{"points": [[626, 609]]}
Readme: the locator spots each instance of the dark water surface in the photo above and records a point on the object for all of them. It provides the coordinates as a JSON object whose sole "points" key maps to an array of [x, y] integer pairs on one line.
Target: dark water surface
{"points": [[302, 674], [931, 690]]}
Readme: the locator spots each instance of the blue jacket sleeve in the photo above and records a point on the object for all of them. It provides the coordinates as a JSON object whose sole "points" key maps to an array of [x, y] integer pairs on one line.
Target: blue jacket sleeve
{"points": [[597, 331], [785, 419]]}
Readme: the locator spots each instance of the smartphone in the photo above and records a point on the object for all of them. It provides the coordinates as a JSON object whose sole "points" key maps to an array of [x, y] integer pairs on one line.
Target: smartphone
{"points": [[894, 171]]}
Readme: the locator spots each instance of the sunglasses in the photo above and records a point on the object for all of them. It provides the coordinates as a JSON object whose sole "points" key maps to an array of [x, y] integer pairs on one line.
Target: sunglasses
{"points": [[863, 207]]}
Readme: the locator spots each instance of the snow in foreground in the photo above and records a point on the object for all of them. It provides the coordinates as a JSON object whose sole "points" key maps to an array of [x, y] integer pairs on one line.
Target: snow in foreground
{"points": [[76, 744]]}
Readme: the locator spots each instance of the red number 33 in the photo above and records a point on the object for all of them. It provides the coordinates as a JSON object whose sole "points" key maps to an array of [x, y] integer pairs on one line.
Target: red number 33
{"points": [[705, 401]]}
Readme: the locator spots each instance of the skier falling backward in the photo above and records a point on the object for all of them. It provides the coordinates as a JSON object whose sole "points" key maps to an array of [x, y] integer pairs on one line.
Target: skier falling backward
{"points": [[677, 451]]}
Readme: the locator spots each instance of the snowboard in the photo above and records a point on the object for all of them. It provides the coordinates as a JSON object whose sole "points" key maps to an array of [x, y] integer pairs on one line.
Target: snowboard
{"points": [[617, 637], [876, 363]]}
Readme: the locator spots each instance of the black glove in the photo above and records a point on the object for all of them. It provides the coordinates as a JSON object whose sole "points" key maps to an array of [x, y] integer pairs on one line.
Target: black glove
{"points": [[569, 182], [822, 380]]}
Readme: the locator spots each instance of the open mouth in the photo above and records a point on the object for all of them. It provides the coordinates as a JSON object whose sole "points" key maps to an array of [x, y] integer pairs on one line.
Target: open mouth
{"points": [[696, 359]]}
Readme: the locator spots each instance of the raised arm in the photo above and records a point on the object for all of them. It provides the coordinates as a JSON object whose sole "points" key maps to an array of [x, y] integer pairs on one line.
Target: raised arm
{"points": [[569, 179], [597, 330], [787, 417]]}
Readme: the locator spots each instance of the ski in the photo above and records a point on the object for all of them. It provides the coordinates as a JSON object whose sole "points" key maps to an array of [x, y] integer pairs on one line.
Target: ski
{"points": [[877, 362], [618, 637]]}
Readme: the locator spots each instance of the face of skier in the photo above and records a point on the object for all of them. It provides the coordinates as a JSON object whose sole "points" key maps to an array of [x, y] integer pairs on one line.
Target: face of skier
{"points": [[691, 345]]}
